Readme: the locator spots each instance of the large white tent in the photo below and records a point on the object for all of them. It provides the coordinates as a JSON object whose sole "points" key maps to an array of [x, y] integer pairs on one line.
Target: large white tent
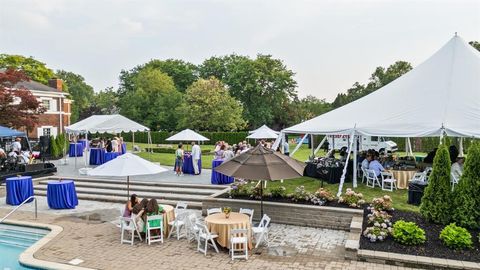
{"points": [[439, 97]]}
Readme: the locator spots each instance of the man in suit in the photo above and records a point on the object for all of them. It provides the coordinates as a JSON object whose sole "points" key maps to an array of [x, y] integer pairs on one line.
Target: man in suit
{"points": [[196, 155]]}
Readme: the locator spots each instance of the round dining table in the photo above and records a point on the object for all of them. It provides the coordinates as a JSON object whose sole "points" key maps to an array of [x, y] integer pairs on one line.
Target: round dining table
{"points": [[19, 189], [97, 156], [402, 177], [168, 216], [219, 178], [61, 194], [188, 164], [220, 225]]}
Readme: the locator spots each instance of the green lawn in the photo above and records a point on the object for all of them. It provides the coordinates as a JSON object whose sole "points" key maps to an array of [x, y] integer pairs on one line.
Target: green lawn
{"points": [[399, 197]]}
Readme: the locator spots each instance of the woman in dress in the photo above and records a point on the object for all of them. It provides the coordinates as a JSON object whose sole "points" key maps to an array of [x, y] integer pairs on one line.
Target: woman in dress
{"points": [[179, 160], [130, 204]]}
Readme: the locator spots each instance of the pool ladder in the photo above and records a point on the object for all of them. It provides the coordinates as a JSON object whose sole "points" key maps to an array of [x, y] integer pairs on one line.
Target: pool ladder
{"points": [[20, 205]]}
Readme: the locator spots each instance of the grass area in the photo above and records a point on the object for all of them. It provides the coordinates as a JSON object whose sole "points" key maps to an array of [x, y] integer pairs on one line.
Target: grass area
{"points": [[169, 159]]}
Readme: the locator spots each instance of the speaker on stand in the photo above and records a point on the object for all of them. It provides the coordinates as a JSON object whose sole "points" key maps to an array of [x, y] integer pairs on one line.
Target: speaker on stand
{"points": [[45, 147]]}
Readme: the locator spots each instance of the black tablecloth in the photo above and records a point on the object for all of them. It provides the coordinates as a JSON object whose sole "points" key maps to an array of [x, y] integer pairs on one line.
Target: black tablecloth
{"points": [[330, 175], [415, 192]]}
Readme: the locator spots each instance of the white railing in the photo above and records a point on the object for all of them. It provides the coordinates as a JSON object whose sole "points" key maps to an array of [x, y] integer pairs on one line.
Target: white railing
{"points": [[20, 205]]}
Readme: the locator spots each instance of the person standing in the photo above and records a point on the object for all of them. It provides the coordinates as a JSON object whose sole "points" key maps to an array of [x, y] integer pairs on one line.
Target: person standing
{"points": [[286, 148], [17, 146], [457, 168], [179, 160], [196, 155]]}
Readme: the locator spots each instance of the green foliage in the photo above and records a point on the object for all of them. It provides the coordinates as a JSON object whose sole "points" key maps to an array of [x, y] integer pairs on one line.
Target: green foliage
{"points": [[207, 105], [79, 91], [34, 69], [54, 150], [352, 198], [240, 188], [158, 137], [408, 233], [384, 203], [104, 102], [278, 192], [456, 237], [437, 199], [475, 44], [153, 102], [466, 201]]}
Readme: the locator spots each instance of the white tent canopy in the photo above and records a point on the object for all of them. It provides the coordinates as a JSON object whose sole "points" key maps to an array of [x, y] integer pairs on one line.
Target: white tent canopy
{"points": [[439, 96], [113, 124], [263, 128], [187, 135], [263, 134]]}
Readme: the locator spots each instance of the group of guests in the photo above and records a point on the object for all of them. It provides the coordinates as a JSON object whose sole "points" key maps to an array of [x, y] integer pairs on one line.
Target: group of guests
{"points": [[371, 162], [15, 153], [180, 157], [141, 209], [110, 145], [456, 160]]}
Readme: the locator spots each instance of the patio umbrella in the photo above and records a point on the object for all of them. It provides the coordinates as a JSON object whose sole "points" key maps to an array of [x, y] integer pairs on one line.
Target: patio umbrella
{"points": [[125, 166], [263, 164]]}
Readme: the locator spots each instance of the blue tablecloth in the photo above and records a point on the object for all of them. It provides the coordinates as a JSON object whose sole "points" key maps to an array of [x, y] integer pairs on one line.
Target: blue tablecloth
{"points": [[218, 178], [124, 148], [110, 156], [84, 143], [97, 156], [61, 194], [18, 189], [188, 165], [71, 149]]}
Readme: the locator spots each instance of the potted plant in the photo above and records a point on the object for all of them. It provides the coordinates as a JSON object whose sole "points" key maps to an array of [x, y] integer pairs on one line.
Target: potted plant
{"points": [[226, 211]]}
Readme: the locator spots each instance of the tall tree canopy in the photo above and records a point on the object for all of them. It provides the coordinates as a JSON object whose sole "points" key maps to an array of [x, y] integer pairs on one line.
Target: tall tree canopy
{"points": [[207, 105], [183, 74], [261, 84], [34, 69], [380, 77], [153, 101], [81, 93], [18, 107], [475, 44], [104, 102]]}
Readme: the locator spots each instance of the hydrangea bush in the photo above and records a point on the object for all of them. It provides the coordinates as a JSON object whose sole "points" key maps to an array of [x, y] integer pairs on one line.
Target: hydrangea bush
{"points": [[352, 198], [384, 203]]}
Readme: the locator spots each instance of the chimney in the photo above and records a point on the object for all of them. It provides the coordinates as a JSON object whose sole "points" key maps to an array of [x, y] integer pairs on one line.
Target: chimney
{"points": [[55, 83]]}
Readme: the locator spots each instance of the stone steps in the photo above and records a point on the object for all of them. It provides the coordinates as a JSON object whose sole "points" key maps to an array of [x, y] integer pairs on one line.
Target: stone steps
{"points": [[115, 190]]}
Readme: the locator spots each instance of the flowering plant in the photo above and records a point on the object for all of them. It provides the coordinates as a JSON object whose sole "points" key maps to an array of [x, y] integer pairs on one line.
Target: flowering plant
{"points": [[376, 233], [384, 203], [239, 188], [352, 198], [278, 192], [227, 210], [324, 194], [300, 194], [382, 218]]}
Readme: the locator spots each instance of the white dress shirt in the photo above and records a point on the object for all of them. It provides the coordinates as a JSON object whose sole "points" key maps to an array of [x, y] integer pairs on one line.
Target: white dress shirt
{"points": [[196, 151]]}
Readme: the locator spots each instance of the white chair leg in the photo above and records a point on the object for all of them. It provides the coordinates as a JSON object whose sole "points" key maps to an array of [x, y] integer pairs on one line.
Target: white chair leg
{"points": [[206, 247], [133, 237], [214, 245]]}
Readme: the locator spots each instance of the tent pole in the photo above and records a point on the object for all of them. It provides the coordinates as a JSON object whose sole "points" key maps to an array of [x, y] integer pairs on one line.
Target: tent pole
{"points": [[313, 145], [261, 199], [342, 179], [355, 166], [410, 146], [86, 149], [320, 145], [298, 145], [460, 147], [75, 147], [133, 140], [128, 187]]}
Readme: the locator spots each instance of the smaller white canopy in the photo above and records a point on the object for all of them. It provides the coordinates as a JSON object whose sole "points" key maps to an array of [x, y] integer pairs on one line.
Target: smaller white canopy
{"points": [[264, 127], [263, 134], [126, 165], [114, 123], [187, 135]]}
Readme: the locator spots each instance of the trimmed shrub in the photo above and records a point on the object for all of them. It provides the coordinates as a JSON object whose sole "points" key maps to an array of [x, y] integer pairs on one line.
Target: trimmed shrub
{"points": [[54, 151], [300, 194], [437, 199], [278, 192], [466, 210], [456, 237], [408, 233]]}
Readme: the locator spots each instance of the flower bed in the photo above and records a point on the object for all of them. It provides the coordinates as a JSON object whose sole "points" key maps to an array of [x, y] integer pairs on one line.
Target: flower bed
{"points": [[433, 245]]}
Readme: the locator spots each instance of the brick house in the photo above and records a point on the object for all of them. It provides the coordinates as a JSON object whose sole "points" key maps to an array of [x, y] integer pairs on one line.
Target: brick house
{"points": [[58, 105]]}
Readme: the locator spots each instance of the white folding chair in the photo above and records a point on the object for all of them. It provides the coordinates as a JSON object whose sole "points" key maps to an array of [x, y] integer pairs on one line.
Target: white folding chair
{"points": [[453, 180], [388, 182], [178, 224], [154, 238], [364, 174], [213, 211], [260, 233], [205, 235], [427, 172], [128, 225], [191, 226], [239, 242], [418, 176], [372, 179], [181, 205], [248, 212]]}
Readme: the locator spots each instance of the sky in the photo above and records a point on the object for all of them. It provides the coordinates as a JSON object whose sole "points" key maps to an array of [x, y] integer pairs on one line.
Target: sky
{"points": [[328, 44]]}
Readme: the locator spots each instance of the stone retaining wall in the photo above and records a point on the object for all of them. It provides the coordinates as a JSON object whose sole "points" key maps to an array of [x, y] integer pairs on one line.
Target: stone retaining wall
{"points": [[289, 213]]}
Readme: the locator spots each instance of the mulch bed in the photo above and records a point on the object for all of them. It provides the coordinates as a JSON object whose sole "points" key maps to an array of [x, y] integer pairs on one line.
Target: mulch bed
{"points": [[433, 247]]}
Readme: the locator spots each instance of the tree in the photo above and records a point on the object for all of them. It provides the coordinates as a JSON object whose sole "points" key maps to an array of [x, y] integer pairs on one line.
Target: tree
{"points": [[299, 110], [81, 93], [466, 202], [153, 101], [262, 84], [207, 105], [34, 69], [380, 77], [104, 102], [18, 107], [475, 44], [437, 199]]}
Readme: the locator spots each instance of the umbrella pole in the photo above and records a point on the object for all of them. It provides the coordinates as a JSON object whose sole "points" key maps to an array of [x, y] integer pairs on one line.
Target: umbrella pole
{"points": [[261, 197], [128, 187]]}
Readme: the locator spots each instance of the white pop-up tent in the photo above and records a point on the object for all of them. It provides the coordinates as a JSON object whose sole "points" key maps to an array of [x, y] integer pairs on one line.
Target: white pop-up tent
{"points": [[439, 97], [187, 135], [112, 124], [263, 128], [263, 134]]}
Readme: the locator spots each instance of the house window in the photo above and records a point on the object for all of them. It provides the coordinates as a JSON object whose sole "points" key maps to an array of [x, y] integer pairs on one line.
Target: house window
{"points": [[46, 104], [46, 131]]}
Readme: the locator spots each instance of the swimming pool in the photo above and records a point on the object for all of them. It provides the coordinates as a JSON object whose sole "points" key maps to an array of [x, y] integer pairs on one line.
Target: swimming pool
{"points": [[15, 239]]}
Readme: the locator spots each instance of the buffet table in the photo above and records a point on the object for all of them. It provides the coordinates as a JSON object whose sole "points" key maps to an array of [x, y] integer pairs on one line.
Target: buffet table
{"points": [[219, 178]]}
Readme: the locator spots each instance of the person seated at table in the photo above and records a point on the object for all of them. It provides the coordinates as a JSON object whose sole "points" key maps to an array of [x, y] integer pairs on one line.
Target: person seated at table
{"points": [[151, 210], [130, 204], [375, 165], [139, 211], [108, 146], [453, 151], [366, 162], [179, 160], [457, 168], [430, 156], [228, 154]]}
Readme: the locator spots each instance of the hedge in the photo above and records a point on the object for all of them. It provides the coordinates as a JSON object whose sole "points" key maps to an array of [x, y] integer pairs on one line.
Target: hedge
{"points": [[158, 137]]}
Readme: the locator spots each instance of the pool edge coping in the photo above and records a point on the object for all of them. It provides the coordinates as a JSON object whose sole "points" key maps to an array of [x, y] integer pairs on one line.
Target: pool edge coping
{"points": [[27, 257]]}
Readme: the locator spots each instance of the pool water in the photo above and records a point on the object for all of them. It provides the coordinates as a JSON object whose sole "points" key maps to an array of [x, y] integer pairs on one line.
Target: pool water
{"points": [[14, 240]]}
